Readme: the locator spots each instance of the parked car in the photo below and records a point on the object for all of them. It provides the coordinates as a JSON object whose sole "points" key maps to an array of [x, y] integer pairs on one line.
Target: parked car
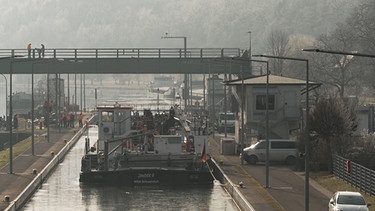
{"points": [[280, 150], [347, 201]]}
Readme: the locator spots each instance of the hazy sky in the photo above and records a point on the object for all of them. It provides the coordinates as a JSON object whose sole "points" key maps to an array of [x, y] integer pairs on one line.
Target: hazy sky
{"points": [[142, 23], [112, 23]]}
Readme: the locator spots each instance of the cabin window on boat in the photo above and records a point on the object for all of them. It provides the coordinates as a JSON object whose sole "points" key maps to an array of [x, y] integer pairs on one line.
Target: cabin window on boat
{"points": [[107, 116]]}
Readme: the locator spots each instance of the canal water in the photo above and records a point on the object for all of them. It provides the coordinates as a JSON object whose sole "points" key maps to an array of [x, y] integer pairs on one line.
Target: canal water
{"points": [[62, 191]]}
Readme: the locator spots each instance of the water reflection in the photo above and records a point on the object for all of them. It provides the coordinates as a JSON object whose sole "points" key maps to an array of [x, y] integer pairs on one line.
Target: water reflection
{"points": [[62, 191]]}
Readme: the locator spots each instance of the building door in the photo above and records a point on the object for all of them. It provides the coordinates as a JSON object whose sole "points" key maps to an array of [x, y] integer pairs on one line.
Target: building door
{"points": [[290, 103]]}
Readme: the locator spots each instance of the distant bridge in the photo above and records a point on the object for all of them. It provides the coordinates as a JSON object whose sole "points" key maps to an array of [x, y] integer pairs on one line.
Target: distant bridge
{"points": [[123, 61]]}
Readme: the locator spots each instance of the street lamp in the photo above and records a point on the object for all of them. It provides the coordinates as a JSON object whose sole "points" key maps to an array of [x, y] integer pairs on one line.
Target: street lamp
{"points": [[242, 60], [6, 97], [307, 143], [9, 120], [57, 98], [84, 93], [81, 95], [316, 50], [186, 78], [75, 94], [76, 61], [11, 115], [267, 116]]}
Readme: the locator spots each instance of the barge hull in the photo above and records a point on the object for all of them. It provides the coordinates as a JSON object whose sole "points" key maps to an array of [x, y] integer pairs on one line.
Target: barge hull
{"points": [[147, 177]]}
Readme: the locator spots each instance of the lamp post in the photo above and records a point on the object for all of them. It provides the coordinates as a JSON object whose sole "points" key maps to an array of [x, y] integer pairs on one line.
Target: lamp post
{"points": [[68, 99], [48, 107], [307, 129], [76, 62], [242, 60], [267, 119], [81, 95], [186, 78], [317, 50], [6, 97], [11, 116], [75, 94], [84, 93], [10, 120], [11, 112], [57, 99], [32, 111], [242, 115]]}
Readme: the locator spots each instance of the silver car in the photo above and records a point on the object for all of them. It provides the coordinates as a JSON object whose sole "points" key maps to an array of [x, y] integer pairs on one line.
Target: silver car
{"points": [[347, 201]]}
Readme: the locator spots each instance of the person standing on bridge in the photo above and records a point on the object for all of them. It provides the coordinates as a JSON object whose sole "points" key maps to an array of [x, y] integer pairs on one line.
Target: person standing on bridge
{"points": [[29, 49], [42, 50]]}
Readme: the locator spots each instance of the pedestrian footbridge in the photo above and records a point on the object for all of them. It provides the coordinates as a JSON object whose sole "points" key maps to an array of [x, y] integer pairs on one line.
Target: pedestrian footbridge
{"points": [[124, 61]]}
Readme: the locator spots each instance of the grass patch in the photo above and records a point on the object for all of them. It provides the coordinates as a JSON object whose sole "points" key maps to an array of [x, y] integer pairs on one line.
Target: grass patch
{"points": [[18, 149], [333, 184]]}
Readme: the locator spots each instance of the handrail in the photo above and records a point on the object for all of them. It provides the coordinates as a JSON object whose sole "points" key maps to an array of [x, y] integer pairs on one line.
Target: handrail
{"points": [[84, 53]]}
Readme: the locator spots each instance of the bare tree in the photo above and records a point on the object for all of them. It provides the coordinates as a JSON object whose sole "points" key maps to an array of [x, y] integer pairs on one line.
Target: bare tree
{"points": [[362, 21], [278, 46], [338, 71], [297, 69], [332, 121]]}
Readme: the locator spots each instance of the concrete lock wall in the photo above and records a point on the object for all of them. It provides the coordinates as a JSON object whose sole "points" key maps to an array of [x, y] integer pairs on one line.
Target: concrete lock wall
{"points": [[40, 178]]}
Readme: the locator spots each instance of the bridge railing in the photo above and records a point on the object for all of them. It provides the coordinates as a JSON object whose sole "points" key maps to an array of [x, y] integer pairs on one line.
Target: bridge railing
{"points": [[86, 53]]}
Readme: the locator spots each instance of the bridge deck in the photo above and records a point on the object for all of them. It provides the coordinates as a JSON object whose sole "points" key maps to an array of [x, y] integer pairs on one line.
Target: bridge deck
{"points": [[120, 60]]}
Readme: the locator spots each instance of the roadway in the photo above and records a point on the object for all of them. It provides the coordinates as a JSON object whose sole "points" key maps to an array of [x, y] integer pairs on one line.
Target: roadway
{"points": [[286, 189]]}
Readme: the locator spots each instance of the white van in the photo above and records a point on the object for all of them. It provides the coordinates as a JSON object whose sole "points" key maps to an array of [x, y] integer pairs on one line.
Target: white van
{"points": [[283, 150]]}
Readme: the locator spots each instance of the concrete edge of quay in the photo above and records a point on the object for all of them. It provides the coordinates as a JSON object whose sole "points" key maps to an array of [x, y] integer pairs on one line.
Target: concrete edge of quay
{"points": [[240, 200], [25, 195]]}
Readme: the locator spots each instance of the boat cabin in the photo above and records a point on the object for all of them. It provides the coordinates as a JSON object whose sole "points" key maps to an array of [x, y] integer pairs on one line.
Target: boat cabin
{"points": [[114, 121]]}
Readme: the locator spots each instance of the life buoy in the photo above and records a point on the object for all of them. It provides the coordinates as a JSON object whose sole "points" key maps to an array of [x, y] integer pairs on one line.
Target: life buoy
{"points": [[348, 166]]}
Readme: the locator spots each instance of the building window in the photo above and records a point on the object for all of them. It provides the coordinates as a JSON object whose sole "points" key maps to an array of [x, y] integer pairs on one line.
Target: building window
{"points": [[261, 102]]}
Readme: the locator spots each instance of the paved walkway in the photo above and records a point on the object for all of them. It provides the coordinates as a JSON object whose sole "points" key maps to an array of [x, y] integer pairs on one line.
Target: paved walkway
{"points": [[254, 192], [11, 185], [290, 197]]}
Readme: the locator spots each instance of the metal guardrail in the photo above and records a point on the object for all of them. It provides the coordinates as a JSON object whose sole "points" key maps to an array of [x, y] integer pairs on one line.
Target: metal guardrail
{"points": [[355, 174], [86, 53]]}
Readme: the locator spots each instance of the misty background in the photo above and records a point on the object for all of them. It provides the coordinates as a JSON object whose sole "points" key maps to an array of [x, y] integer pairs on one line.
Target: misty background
{"points": [[141, 23], [278, 27]]}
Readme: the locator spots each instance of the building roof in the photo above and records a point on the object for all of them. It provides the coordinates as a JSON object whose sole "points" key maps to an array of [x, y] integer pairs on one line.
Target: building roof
{"points": [[273, 80]]}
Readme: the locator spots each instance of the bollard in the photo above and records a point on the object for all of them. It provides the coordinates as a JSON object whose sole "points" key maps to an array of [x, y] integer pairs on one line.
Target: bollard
{"points": [[241, 184], [35, 171], [7, 198], [65, 141], [53, 153]]}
